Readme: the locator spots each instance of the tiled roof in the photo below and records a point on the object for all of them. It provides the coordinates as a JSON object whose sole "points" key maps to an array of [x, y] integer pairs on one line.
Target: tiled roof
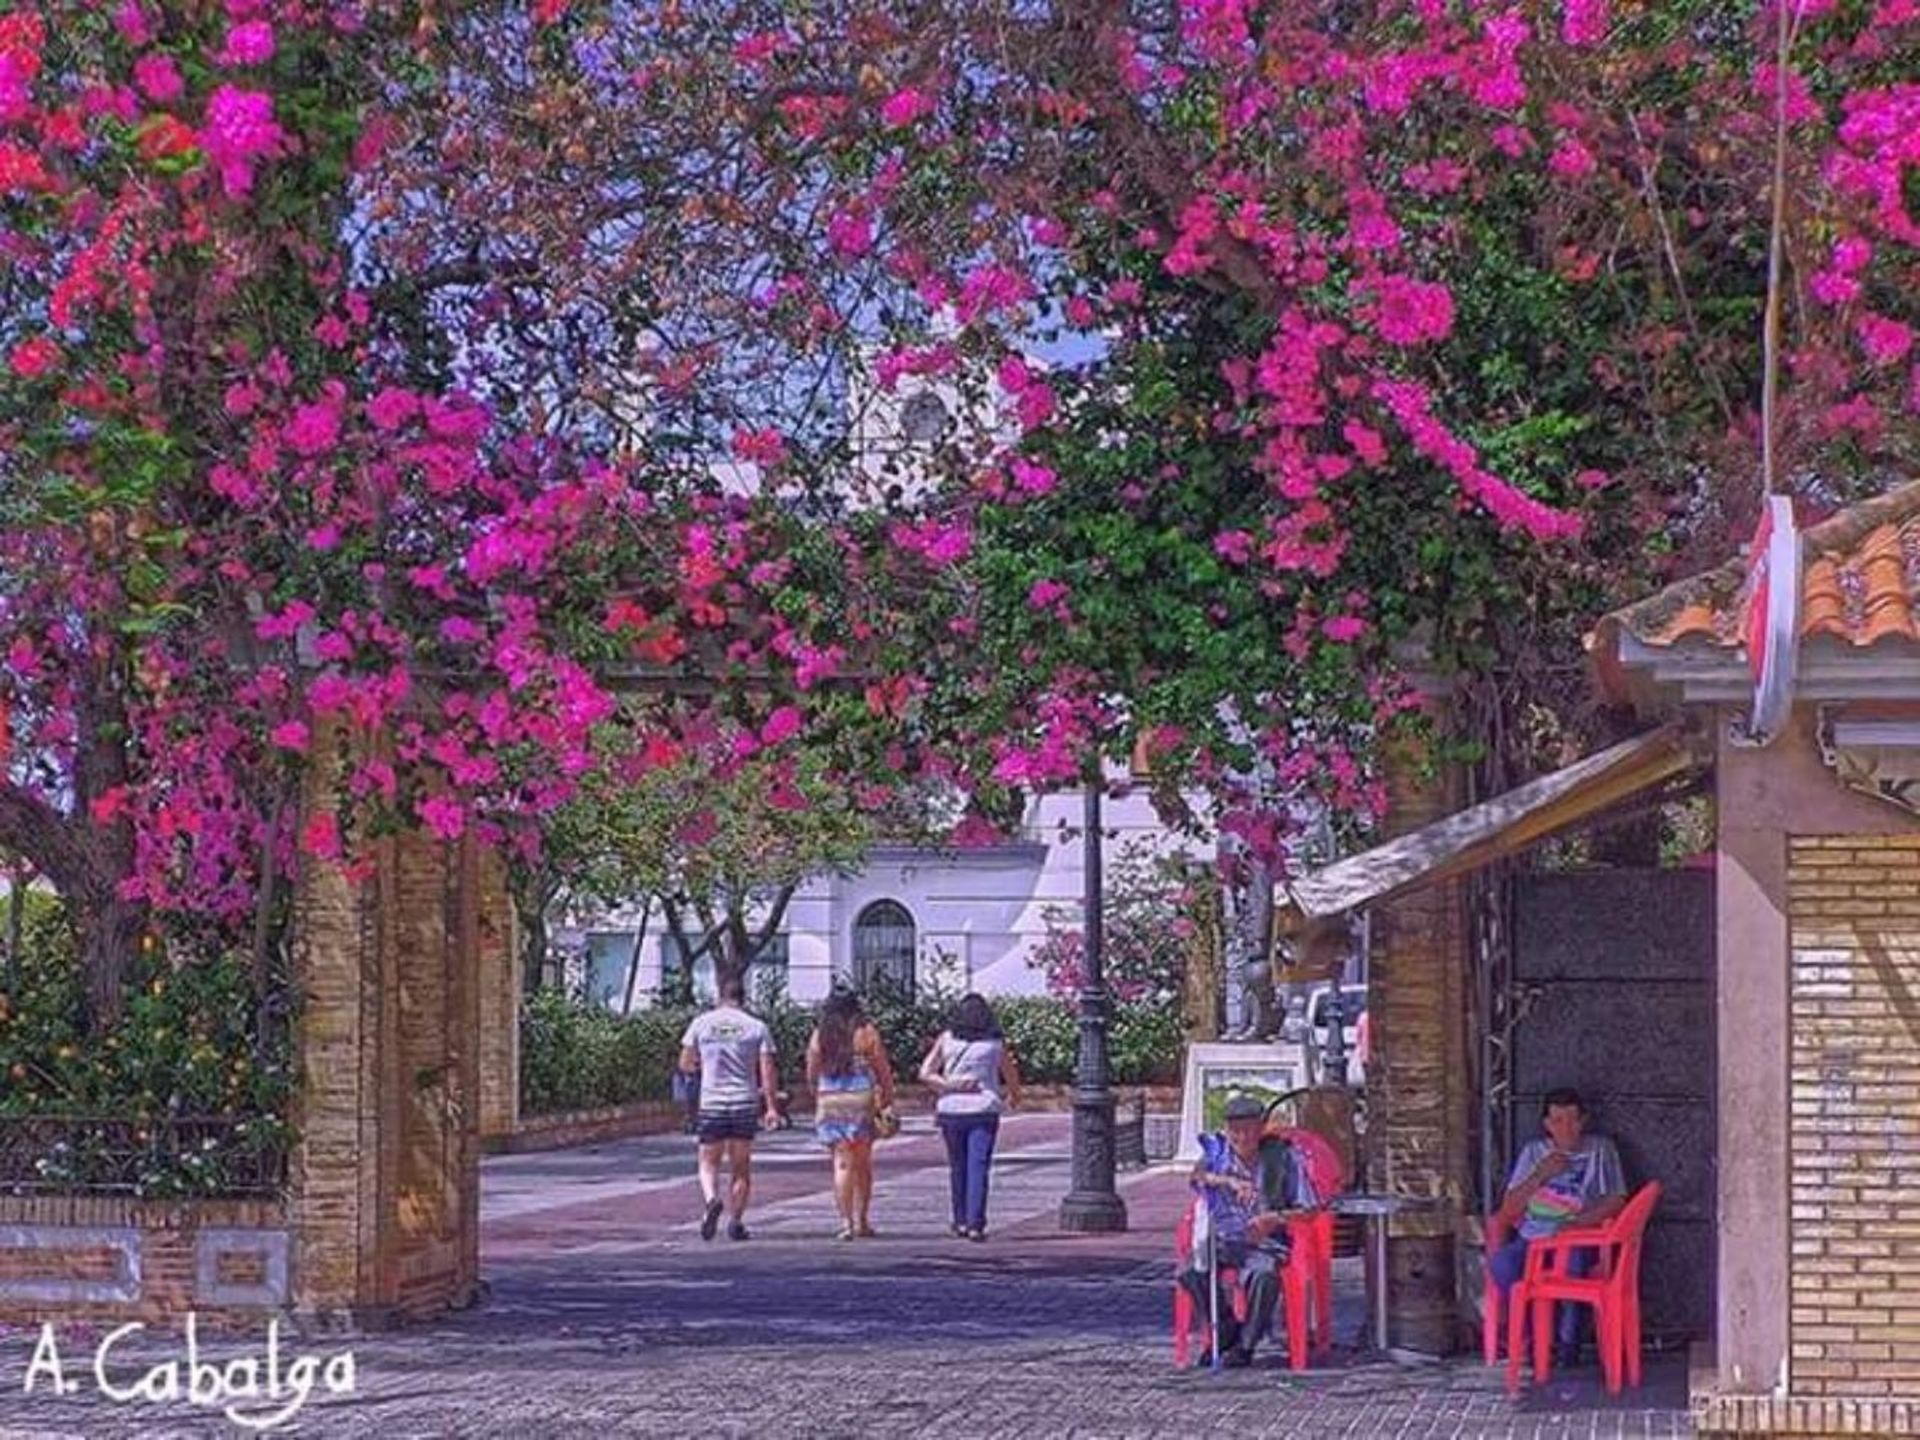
{"points": [[1860, 583]]}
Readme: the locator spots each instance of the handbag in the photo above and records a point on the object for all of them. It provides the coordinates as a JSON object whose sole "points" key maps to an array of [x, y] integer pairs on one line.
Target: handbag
{"points": [[886, 1122]]}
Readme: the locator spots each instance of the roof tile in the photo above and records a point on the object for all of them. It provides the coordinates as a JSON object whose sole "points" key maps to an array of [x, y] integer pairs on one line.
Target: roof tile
{"points": [[1860, 583]]}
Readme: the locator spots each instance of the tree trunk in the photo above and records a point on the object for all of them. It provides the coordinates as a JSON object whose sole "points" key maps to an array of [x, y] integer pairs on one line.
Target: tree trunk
{"points": [[736, 948], [533, 892], [633, 960], [17, 882], [110, 931]]}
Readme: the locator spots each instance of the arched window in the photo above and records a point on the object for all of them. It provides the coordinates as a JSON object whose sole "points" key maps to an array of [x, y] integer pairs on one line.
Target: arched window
{"points": [[883, 947]]}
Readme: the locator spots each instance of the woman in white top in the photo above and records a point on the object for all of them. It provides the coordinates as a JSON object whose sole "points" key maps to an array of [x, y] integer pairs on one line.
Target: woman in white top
{"points": [[976, 1077]]}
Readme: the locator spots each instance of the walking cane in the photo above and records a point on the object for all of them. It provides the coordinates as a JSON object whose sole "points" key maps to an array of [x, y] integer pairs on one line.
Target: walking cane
{"points": [[1213, 1295]]}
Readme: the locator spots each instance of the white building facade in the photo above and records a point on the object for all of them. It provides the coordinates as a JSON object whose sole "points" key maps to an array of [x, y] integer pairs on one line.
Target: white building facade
{"points": [[945, 919]]}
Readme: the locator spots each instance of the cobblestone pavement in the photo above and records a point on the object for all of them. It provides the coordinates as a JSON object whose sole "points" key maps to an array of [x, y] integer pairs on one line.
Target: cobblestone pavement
{"points": [[608, 1316]]}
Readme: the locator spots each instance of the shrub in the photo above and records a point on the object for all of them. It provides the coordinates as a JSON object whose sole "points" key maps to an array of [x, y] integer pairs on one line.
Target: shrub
{"points": [[1148, 924], [1143, 1040], [186, 1047], [1043, 1035], [907, 1022], [576, 1056], [1145, 1043]]}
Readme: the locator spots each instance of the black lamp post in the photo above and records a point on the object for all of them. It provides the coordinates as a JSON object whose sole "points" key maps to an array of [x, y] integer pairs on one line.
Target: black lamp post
{"points": [[1093, 1204]]}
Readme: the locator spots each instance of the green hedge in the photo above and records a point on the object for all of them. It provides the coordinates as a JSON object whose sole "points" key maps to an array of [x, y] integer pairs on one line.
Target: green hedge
{"points": [[576, 1056], [185, 1047]]}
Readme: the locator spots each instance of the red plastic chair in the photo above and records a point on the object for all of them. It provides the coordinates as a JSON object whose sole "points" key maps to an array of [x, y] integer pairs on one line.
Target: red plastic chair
{"points": [[1294, 1285], [1313, 1239], [1491, 1316], [1613, 1289]]}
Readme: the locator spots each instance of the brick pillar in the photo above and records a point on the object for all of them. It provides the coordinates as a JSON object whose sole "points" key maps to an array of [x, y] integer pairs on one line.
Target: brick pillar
{"points": [[384, 1176], [1417, 1084], [499, 981]]}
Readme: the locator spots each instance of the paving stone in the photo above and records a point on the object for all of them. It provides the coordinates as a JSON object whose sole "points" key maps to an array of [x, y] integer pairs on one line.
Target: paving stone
{"points": [[608, 1317]]}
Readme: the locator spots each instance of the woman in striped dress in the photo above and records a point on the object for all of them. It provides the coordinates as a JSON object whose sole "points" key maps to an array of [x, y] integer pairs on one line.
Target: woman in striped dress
{"points": [[848, 1071]]}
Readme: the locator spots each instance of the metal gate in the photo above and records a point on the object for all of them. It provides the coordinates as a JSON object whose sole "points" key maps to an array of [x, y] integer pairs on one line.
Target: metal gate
{"points": [[1612, 993], [884, 947]]}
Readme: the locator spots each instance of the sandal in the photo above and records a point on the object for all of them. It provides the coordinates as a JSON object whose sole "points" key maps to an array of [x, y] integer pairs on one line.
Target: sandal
{"points": [[846, 1233], [867, 1232]]}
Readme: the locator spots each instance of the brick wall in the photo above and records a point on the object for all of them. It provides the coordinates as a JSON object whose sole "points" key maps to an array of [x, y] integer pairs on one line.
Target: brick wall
{"points": [[384, 1175], [1854, 907], [109, 1258], [499, 981]]}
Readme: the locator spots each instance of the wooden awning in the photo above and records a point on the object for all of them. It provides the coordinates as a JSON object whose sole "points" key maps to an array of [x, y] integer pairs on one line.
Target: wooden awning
{"points": [[1501, 826]]}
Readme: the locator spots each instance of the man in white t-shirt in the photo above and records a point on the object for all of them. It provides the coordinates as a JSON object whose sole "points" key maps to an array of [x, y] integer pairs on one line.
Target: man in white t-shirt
{"points": [[732, 1052]]}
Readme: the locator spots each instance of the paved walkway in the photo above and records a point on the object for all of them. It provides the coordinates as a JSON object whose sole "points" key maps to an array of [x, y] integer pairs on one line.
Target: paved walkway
{"points": [[609, 1317]]}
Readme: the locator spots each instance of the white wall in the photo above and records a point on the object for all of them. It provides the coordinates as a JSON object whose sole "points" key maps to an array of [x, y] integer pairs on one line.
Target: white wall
{"points": [[977, 913]]}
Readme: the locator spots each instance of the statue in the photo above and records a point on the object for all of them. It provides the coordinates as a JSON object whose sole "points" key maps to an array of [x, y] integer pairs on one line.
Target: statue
{"points": [[1248, 925]]}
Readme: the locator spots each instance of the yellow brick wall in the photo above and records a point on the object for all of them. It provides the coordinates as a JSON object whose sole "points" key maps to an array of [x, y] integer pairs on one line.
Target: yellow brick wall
{"points": [[499, 983], [1854, 907]]}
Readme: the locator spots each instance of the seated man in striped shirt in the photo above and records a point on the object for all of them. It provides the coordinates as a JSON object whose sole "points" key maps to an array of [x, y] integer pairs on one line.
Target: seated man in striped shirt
{"points": [[1253, 1185], [1564, 1178]]}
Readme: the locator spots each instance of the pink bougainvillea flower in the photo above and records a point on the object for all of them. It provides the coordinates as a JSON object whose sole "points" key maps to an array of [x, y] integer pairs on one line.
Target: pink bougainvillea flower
{"points": [[850, 233], [33, 358], [158, 78], [239, 131], [392, 408], [1033, 478], [765, 446], [973, 832], [1854, 253], [1831, 287], [20, 170], [444, 816], [320, 836], [16, 89], [131, 22], [315, 428], [782, 724], [1411, 312], [938, 542], [248, 43], [1584, 22], [1885, 341], [905, 106], [1045, 593], [290, 735], [1571, 159], [1233, 546]]}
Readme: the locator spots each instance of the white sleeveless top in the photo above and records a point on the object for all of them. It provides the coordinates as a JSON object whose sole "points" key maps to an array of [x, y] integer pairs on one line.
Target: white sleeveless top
{"points": [[978, 1060]]}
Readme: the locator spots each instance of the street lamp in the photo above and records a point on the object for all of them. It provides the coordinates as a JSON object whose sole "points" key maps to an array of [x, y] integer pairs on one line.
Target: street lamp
{"points": [[1092, 1205]]}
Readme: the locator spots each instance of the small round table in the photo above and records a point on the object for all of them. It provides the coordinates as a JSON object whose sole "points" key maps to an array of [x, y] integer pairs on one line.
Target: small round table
{"points": [[1375, 1210]]}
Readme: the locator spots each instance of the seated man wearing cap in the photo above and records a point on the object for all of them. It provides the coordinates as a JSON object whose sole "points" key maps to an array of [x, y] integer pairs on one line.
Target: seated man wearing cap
{"points": [[1253, 1184]]}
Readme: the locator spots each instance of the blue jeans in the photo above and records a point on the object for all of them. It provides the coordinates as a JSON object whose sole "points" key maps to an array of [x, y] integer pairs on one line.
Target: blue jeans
{"points": [[1509, 1263], [969, 1157]]}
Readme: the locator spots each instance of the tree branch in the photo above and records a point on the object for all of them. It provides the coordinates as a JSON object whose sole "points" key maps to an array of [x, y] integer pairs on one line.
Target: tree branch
{"points": [[51, 841]]}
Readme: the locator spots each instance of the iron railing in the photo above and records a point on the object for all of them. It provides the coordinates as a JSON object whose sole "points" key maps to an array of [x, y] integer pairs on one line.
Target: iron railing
{"points": [[172, 1156]]}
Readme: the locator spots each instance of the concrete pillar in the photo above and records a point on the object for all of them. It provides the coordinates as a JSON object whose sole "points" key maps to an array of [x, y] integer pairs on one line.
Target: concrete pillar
{"points": [[384, 1176], [1418, 1103]]}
